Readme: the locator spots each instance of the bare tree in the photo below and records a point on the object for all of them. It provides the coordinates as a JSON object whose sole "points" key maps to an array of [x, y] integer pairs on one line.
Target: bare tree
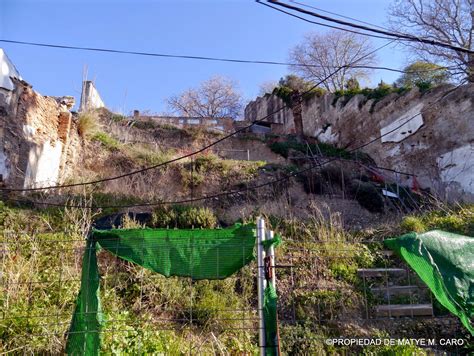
{"points": [[448, 21], [216, 97], [267, 87], [319, 55]]}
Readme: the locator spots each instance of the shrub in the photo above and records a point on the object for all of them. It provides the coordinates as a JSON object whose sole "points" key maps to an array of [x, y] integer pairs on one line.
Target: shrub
{"points": [[344, 271], [377, 93], [88, 124], [145, 124], [117, 117], [283, 148], [285, 93], [107, 141], [412, 223], [368, 196], [149, 156], [216, 308], [459, 220], [424, 86], [183, 216], [390, 350], [207, 162], [191, 179], [301, 340]]}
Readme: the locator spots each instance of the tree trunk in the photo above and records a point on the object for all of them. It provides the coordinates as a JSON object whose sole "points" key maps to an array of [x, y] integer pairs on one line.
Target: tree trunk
{"points": [[296, 107]]}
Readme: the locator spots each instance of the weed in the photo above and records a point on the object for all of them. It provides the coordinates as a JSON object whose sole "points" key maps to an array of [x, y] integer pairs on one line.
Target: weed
{"points": [[107, 141], [118, 117], [130, 223], [88, 124], [457, 220], [149, 156], [412, 223]]}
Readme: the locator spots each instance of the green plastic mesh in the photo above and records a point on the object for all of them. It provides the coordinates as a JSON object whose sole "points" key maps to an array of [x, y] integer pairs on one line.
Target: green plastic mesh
{"points": [[83, 336], [270, 318], [198, 254], [445, 262]]}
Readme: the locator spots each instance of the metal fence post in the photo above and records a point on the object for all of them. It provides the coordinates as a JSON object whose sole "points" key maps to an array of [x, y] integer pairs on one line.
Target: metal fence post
{"points": [[261, 283], [271, 255]]}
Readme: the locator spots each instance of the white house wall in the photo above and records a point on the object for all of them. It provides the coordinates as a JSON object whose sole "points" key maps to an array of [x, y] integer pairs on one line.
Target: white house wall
{"points": [[7, 70], [43, 164]]}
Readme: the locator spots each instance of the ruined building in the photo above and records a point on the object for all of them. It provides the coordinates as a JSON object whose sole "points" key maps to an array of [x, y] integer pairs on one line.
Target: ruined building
{"points": [[35, 132], [430, 135]]}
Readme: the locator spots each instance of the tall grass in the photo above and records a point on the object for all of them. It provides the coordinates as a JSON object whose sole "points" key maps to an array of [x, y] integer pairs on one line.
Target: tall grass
{"points": [[88, 124]]}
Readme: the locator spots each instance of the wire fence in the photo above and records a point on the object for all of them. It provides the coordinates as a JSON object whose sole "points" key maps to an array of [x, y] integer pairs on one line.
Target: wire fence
{"points": [[327, 289]]}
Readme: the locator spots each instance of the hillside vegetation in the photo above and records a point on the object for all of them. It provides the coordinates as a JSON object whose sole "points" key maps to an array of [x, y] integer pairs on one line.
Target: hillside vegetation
{"points": [[326, 238]]}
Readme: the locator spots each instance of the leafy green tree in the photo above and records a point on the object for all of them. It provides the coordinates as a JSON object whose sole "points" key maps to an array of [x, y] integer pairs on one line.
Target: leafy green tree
{"points": [[420, 72]]}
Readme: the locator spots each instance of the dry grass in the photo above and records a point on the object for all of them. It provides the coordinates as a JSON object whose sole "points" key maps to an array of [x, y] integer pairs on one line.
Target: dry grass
{"points": [[88, 124]]}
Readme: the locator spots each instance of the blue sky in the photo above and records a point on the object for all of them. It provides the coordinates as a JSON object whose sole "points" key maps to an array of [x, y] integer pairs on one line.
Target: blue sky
{"points": [[223, 28]]}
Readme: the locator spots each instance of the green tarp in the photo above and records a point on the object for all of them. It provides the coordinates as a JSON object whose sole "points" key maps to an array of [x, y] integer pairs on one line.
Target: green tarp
{"points": [[199, 254], [445, 262]]}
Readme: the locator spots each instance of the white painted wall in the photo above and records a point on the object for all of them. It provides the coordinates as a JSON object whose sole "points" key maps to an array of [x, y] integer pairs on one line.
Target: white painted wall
{"points": [[457, 166], [43, 164], [409, 123], [3, 164], [327, 136], [7, 70], [90, 98]]}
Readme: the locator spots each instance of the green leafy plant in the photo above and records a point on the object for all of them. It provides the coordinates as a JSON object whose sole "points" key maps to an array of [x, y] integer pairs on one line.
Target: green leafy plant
{"points": [[107, 141], [183, 216], [412, 223]]}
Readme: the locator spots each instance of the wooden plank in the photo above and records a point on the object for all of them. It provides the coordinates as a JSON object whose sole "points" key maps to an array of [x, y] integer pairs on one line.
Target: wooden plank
{"points": [[379, 272], [396, 290], [404, 310]]}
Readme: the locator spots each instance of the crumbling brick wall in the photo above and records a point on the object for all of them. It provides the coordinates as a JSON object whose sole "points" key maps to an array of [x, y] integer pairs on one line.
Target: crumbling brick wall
{"points": [[35, 132]]}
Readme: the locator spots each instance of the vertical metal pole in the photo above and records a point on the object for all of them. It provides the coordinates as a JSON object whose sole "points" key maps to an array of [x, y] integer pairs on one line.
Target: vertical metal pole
{"points": [[271, 254], [261, 283], [248, 155]]}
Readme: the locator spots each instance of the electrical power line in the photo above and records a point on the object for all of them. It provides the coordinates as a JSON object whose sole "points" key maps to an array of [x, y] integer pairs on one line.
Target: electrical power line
{"points": [[243, 190], [203, 58], [399, 36], [195, 152], [324, 24], [339, 15]]}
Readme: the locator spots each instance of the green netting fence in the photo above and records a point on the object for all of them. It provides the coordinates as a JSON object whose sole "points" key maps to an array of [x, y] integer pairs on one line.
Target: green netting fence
{"points": [[445, 262], [198, 254]]}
